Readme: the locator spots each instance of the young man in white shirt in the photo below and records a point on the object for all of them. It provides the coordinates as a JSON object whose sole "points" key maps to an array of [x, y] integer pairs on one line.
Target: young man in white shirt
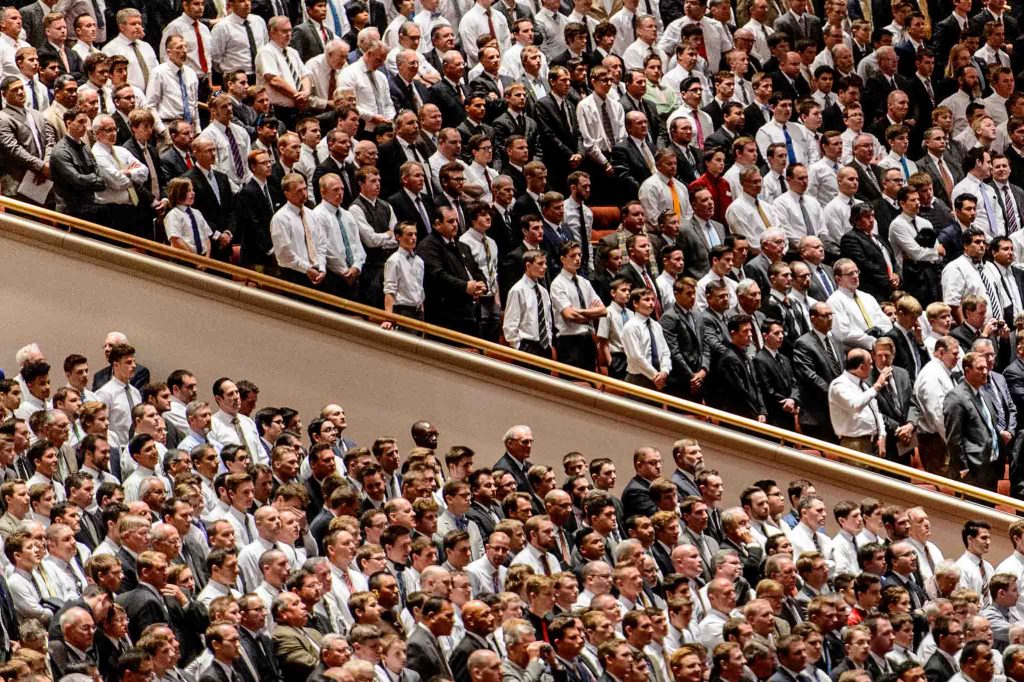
{"points": [[648, 357], [528, 317], [575, 307], [485, 253], [609, 330], [403, 277]]}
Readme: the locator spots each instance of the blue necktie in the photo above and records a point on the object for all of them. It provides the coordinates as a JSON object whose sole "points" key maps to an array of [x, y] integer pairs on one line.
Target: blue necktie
{"points": [[35, 95], [655, 356], [906, 169], [789, 145], [349, 260], [196, 237], [212, 179], [335, 18], [186, 105]]}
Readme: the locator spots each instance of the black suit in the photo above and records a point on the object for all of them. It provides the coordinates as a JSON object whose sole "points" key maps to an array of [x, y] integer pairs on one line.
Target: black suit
{"points": [[832, 118], [253, 221], [868, 254], [485, 84], [775, 377], [524, 205], [636, 498], [945, 35], [402, 95], [505, 126], [905, 351], [734, 386], [214, 673], [391, 157], [129, 570], [866, 190], [647, 108], [511, 465], [425, 655], [876, 93], [561, 138], [61, 656], [814, 372], [897, 407], [308, 41], [690, 161], [968, 436], [219, 215], [938, 669], [172, 163], [139, 378], [630, 168], [145, 193], [345, 170], [483, 519], [446, 97], [689, 352], [459, 656], [405, 209], [753, 118], [1016, 166], [74, 61], [921, 104]]}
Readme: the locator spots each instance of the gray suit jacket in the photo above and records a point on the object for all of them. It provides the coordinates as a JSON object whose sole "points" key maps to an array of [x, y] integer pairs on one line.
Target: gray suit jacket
{"points": [[18, 149], [425, 655], [929, 166], [32, 21], [968, 437], [787, 24], [696, 248]]}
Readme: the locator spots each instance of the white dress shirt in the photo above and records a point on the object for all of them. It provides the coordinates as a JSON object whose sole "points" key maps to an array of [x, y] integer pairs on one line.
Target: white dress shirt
{"points": [[932, 385], [271, 60], [960, 278], [901, 237], [474, 24], [822, 183], [844, 553], [165, 95], [115, 395], [403, 278], [802, 140], [565, 295], [229, 42], [656, 197], [535, 559], [1006, 286], [373, 97], [849, 325], [636, 343], [743, 218], [521, 321], [224, 432], [333, 221], [124, 47], [178, 224], [894, 160], [971, 568], [835, 217], [790, 217], [971, 185], [107, 160], [288, 236], [702, 285], [485, 253], [853, 408], [596, 144]]}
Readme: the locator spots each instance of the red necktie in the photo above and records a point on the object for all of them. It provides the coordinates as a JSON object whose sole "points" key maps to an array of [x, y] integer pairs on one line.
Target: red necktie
{"points": [[188, 161], [199, 46], [332, 82]]}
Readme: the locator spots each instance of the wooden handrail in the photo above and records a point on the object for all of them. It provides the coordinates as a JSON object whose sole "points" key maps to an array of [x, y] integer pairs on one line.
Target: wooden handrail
{"points": [[249, 277]]}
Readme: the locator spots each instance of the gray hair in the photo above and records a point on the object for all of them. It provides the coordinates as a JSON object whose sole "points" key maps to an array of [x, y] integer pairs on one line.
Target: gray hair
{"points": [[25, 352], [192, 409], [744, 286], [625, 547], [514, 431], [100, 120], [516, 631], [368, 39]]}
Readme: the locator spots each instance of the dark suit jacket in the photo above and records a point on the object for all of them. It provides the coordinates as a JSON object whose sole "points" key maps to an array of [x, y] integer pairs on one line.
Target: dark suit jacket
{"points": [[696, 248], [424, 655], [172, 163], [885, 213], [904, 353], [524, 205], [561, 138], [788, 24], [896, 405], [401, 95], [145, 195], [61, 656], [405, 209], [938, 669], [213, 673], [1010, 25], [647, 108], [1014, 375], [130, 577], [876, 93], [689, 352], [390, 160], [253, 221], [775, 377], [636, 498], [926, 164], [505, 127], [814, 373], [867, 253], [735, 388], [219, 215], [630, 168], [485, 84], [444, 95], [921, 105], [511, 465], [945, 35], [32, 21], [307, 41], [139, 378], [968, 438], [47, 51], [459, 656], [1016, 166], [483, 519], [347, 173], [866, 191]]}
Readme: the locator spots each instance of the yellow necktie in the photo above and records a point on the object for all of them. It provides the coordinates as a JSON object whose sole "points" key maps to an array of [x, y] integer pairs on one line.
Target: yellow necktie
{"points": [[760, 212], [310, 247], [132, 194], [675, 199], [46, 581], [863, 311]]}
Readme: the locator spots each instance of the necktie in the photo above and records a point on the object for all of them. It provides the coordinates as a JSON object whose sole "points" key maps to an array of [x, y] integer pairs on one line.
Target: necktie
{"points": [[332, 84], [214, 185], [782, 184], [648, 157], [947, 179], [142, 64], [266, 193], [863, 310], [710, 234], [1012, 225], [196, 237], [308, 236], [790, 151], [46, 581], [133, 196], [761, 212], [335, 19], [423, 212], [808, 225], [200, 48], [188, 160], [584, 240], [324, 37], [699, 128], [542, 323], [987, 414], [832, 357], [186, 105], [676, 206], [990, 290], [252, 44], [291, 68], [236, 153], [241, 436], [906, 169], [988, 210], [496, 579], [650, 285], [606, 123], [31, 85], [579, 291], [655, 355], [154, 180], [826, 283], [349, 258]]}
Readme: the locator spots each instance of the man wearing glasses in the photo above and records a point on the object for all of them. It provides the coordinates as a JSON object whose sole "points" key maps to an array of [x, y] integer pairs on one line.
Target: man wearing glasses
{"points": [[693, 92], [859, 319]]}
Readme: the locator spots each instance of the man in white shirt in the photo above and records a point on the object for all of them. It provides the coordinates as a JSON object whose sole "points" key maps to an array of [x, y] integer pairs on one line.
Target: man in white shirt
{"points": [[692, 90], [965, 276], [118, 394], [855, 311], [279, 67], [540, 540], [480, 19], [121, 172], [648, 357], [975, 571], [823, 173], [932, 385], [229, 40], [662, 191], [129, 43], [646, 36], [230, 141], [601, 125], [345, 254], [759, 27], [977, 165], [795, 211], [300, 247], [836, 213], [198, 39], [485, 253], [747, 215], [575, 307], [173, 89], [853, 406], [781, 130], [844, 543], [230, 426], [528, 318], [370, 84]]}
